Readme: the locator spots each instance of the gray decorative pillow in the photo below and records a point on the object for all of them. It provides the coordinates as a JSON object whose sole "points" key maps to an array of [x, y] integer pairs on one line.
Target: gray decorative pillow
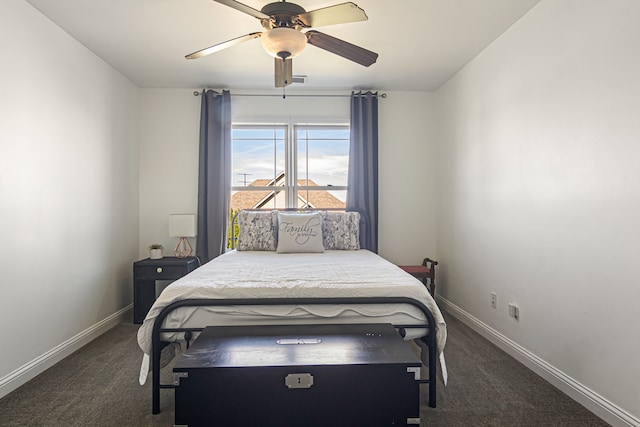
{"points": [[258, 231], [341, 230], [300, 233]]}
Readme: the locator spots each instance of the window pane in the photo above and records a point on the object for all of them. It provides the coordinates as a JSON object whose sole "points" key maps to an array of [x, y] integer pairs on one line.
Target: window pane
{"points": [[321, 199], [257, 156], [261, 199], [323, 155]]}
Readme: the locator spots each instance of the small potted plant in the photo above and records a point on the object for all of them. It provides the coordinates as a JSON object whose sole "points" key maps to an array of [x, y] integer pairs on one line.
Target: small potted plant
{"points": [[155, 251]]}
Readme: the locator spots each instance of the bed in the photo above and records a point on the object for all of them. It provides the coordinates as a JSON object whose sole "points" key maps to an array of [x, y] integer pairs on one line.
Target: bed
{"points": [[270, 279]]}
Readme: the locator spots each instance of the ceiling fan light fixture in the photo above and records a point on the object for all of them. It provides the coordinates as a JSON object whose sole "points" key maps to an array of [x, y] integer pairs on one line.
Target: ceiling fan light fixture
{"points": [[283, 42]]}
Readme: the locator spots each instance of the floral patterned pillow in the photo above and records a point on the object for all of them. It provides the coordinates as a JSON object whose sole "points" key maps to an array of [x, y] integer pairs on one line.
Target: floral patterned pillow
{"points": [[258, 231], [341, 230]]}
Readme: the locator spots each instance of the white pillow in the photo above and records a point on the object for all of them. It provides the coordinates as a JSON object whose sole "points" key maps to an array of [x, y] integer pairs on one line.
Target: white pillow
{"points": [[299, 233], [257, 231]]}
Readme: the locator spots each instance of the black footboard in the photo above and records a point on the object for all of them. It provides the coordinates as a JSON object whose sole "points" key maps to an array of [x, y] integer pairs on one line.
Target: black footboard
{"points": [[429, 339]]}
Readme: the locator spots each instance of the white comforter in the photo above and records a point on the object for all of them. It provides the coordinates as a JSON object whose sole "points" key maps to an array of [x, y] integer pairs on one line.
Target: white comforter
{"points": [[270, 275]]}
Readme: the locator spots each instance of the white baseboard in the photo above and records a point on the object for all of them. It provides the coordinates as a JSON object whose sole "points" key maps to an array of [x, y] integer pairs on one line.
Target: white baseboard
{"points": [[20, 376], [600, 406]]}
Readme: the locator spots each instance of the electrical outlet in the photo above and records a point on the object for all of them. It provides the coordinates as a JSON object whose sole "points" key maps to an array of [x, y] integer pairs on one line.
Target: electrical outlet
{"points": [[494, 300], [514, 310]]}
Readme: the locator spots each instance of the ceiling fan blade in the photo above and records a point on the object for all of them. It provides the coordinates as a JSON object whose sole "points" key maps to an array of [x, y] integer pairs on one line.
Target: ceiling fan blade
{"points": [[218, 47], [243, 8], [340, 47], [283, 72], [337, 14]]}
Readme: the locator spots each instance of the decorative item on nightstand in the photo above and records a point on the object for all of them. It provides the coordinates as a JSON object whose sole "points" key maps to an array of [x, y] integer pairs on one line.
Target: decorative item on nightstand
{"points": [[182, 226], [155, 251]]}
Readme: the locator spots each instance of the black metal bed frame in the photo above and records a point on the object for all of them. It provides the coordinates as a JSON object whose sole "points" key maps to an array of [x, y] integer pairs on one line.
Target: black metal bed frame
{"points": [[157, 344]]}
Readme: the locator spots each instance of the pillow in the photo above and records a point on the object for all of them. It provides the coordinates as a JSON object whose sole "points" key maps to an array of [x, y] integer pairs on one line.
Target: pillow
{"points": [[257, 231], [341, 230], [299, 233]]}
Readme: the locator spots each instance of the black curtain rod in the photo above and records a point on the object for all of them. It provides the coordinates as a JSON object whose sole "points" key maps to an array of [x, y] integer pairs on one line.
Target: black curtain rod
{"points": [[382, 95]]}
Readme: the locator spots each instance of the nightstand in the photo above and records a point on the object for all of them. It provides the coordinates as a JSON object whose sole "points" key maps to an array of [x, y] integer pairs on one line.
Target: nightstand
{"points": [[426, 272], [145, 274]]}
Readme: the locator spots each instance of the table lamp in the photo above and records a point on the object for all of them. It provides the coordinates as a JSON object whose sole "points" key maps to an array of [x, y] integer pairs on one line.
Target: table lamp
{"points": [[182, 226]]}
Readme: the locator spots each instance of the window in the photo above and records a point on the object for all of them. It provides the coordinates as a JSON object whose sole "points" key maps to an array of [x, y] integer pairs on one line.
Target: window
{"points": [[285, 166]]}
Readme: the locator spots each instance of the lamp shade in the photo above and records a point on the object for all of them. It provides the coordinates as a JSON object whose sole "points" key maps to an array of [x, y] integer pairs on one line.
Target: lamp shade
{"points": [[182, 225], [283, 42]]}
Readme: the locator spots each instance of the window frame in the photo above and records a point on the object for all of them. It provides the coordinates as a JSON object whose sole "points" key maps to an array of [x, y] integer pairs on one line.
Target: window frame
{"points": [[291, 187]]}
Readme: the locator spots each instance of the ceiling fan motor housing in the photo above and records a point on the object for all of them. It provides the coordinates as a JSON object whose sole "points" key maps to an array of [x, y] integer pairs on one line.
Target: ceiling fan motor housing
{"points": [[282, 14]]}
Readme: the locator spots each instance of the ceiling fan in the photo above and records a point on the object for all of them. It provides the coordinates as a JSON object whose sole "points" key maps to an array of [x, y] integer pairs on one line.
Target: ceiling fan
{"points": [[284, 38]]}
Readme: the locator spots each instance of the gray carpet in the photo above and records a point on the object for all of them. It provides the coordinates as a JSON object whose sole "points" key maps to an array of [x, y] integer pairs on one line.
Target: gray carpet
{"points": [[98, 386]]}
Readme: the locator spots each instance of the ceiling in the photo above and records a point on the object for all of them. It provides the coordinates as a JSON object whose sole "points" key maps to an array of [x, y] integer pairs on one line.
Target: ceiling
{"points": [[421, 43]]}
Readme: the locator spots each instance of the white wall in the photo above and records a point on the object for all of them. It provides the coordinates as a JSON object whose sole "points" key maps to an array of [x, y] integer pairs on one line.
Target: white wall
{"points": [[68, 191], [169, 129], [169, 154], [540, 191], [407, 187]]}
